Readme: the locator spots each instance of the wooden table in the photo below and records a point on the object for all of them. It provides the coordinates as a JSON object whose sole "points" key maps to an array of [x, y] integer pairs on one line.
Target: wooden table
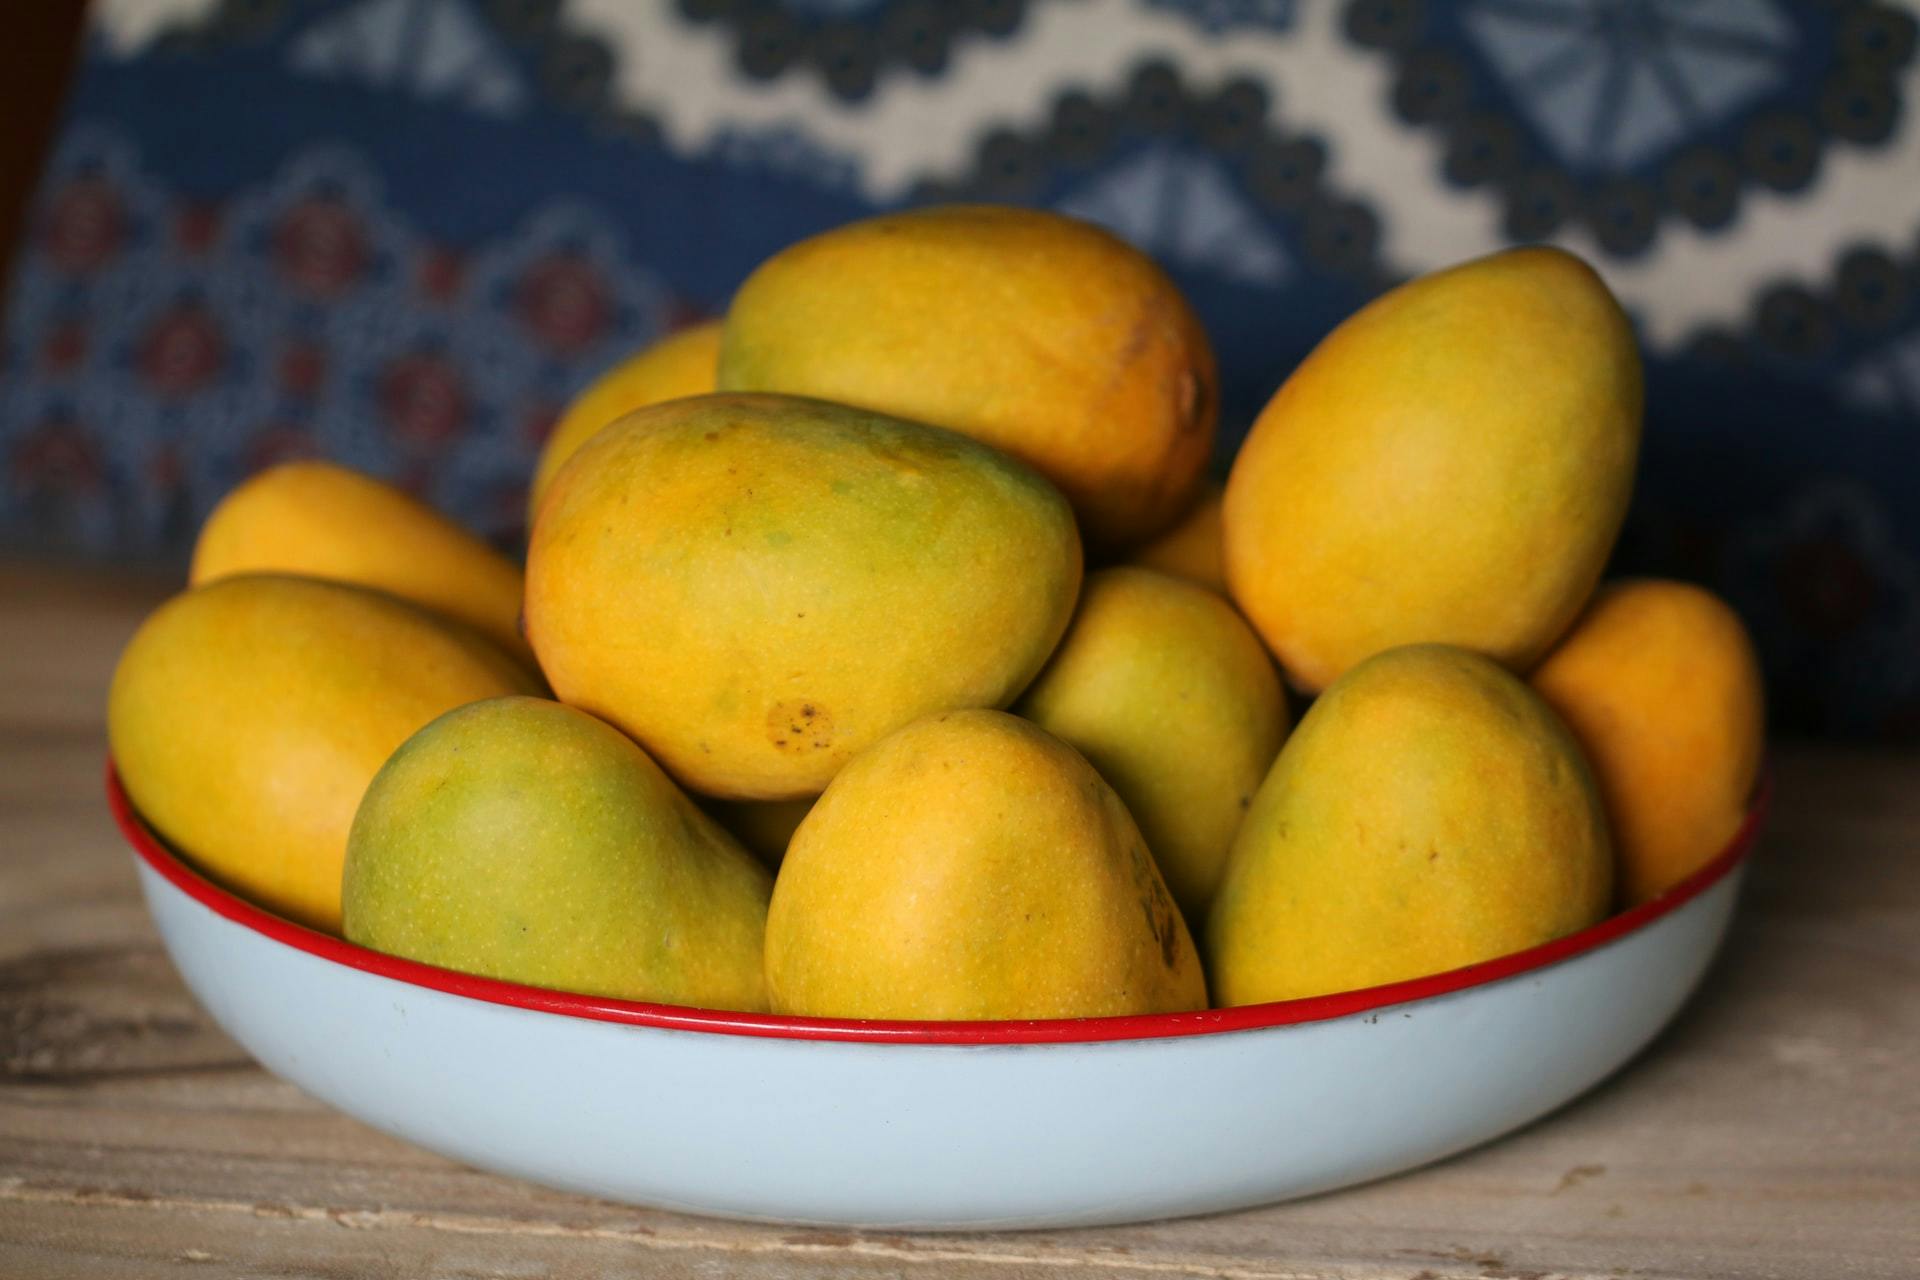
{"points": [[1774, 1131]]}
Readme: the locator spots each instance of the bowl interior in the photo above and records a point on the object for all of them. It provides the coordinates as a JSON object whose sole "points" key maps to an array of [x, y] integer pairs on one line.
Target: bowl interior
{"points": [[175, 870]]}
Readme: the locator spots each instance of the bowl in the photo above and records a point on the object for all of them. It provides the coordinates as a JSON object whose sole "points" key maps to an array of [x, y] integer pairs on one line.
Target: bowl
{"points": [[937, 1125]]}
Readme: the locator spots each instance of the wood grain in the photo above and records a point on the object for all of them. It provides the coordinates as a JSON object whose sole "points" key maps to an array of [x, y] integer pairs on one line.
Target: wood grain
{"points": [[1773, 1132]]}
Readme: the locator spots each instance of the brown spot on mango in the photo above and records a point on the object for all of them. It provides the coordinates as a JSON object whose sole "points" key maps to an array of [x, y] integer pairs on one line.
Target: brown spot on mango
{"points": [[799, 725]]}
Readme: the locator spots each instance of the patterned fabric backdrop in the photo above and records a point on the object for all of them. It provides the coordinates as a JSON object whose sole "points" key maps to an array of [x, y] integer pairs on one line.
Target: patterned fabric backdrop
{"points": [[401, 233]]}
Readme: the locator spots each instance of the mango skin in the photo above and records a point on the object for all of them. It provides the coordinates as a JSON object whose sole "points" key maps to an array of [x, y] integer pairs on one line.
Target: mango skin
{"points": [[247, 717], [1041, 335], [681, 364], [755, 588], [765, 827], [521, 839], [1428, 812], [1450, 465], [1192, 548], [1169, 694], [322, 520], [974, 866], [1660, 683]]}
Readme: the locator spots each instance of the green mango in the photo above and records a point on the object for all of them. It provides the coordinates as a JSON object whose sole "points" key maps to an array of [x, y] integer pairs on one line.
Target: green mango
{"points": [[521, 839]]}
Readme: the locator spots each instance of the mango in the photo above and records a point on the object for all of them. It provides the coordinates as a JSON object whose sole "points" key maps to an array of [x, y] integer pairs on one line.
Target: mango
{"points": [[1428, 812], [755, 588], [520, 839], [681, 364], [1450, 465], [321, 520], [247, 716], [972, 865], [765, 827], [1660, 684], [1169, 694], [1192, 549], [1043, 336]]}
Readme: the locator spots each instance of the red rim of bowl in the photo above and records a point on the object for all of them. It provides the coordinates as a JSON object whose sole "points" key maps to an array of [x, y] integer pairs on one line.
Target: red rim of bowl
{"points": [[1250, 1017]]}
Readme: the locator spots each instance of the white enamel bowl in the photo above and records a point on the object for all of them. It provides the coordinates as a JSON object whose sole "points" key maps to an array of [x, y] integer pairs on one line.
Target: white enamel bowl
{"points": [[937, 1125]]}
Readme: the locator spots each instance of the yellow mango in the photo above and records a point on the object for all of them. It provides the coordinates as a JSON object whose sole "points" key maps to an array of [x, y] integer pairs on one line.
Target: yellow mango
{"points": [[1450, 465], [754, 588], [1041, 335], [321, 520], [247, 716], [1428, 812], [1191, 549], [1659, 682], [680, 364], [1169, 694], [520, 839], [972, 865]]}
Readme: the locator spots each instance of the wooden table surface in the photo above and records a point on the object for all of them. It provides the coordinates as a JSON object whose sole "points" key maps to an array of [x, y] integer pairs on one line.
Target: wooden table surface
{"points": [[1773, 1131]]}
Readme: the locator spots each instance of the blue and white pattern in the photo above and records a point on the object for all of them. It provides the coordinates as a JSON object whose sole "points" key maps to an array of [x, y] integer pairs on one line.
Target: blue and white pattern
{"points": [[1626, 115], [1180, 206], [192, 345], [1219, 17], [433, 49], [402, 233], [1614, 84]]}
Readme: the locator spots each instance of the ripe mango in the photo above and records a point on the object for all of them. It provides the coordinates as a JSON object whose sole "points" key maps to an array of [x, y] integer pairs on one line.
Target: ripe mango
{"points": [[765, 827], [1043, 336], [247, 716], [755, 588], [1428, 812], [517, 838], [1450, 465], [1660, 683], [972, 865], [1191, 549], [680, 364], [321, 520], [1169, 694]]}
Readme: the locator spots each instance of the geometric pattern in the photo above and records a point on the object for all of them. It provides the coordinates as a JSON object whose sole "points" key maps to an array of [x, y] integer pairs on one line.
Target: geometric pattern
{"points": [[433, 221]]}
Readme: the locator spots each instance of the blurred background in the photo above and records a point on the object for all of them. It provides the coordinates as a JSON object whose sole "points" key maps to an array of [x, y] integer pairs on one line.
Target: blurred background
{"points": [[402, 233]]}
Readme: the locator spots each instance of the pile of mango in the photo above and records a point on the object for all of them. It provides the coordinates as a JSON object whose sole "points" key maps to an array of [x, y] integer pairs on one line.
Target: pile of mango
{"points": [[806, 700]]}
